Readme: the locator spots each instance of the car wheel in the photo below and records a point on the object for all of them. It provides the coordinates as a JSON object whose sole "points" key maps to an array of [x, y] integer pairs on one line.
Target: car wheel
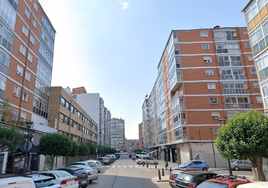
{"points": [[205, 169], [236, 168], [90, 181]]}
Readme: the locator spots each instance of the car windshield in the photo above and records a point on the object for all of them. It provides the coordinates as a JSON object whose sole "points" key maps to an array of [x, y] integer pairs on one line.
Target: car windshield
{"points": [[176, 172], [84, 167], [79, 172], [212, 184], [44, 183], [91, 164], [62, 174], [186, 177]]}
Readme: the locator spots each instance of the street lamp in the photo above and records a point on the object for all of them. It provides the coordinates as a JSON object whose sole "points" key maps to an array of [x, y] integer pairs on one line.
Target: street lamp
{"points": [[166, 150], [228, 161], [28, 144], [213, 149]]}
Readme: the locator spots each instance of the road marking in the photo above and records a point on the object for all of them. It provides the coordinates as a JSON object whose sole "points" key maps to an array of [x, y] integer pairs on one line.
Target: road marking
{"points": [[119, 166], [130, 166], [148, 170], [124, 166], [136, 166], [107, 166], [113, 166]]}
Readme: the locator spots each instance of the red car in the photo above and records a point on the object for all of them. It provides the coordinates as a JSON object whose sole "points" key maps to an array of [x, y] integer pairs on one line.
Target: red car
{"points": [[173, 175], [224, 181]]}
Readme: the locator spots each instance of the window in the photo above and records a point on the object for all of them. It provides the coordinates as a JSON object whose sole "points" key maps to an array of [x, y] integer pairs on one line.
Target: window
{"points": [[211, 86], [205, 46], [19, 70], [259, 100], [245, 32], [256, 85], [28, 76], [35, 6], [61, 118], [25, 96], [17, 91], [203, 34], [253, 71], [34, 23], [247, 44], [209, 72], [27, 13], [32, 39], [30, 57], [213, 100], [22, 50], [25, 30], [215, 115], [250, 58], [207, 59], [216, 131], [62, 101]]}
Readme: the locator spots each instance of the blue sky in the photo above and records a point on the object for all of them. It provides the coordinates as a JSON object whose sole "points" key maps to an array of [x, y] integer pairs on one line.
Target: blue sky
{"points": [[113, 47]]}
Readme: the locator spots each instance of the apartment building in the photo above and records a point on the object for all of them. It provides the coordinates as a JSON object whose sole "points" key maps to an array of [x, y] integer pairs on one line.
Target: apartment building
{"points": [[256, 13], [204, 75], [117, 134], [94, 106], [69, 118], [141, 136]]}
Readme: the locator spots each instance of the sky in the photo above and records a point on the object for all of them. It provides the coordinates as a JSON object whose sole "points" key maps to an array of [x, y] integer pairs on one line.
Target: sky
{"points": [[113, 47]]}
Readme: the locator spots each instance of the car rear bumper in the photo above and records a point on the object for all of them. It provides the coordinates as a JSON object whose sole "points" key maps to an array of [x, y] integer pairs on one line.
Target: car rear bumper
{"points": [[93, 177]]}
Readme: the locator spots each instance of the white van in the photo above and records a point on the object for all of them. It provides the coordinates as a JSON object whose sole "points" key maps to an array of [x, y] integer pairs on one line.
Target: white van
{"points": [[15, 182]]}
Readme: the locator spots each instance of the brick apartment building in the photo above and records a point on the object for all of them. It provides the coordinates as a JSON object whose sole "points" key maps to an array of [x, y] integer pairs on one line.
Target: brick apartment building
{"points": [[203, 75], [141, 136]]}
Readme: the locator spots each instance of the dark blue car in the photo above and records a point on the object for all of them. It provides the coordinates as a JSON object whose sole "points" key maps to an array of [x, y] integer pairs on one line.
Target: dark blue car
{"points": [[198, 164]]}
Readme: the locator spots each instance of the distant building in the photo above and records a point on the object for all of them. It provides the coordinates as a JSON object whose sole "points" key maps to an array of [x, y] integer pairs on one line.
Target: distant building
{"points": [[93, 104], [133, 144], [118, 134], [141, 136], [126, 145]]}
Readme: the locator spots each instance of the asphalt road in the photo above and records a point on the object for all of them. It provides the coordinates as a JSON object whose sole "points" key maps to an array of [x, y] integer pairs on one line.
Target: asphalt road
{"points": [[123, 173]]}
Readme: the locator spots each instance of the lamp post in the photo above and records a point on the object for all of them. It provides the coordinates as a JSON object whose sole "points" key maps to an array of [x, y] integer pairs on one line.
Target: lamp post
{"points": [[166, 157], [228, 161], [213, 149], [28, 123]]}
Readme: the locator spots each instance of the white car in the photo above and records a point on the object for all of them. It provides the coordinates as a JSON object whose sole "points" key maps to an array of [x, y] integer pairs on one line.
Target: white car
{"points": [[21, 182], [87, 163], [98, 164], [92, 174], [63, 178]]}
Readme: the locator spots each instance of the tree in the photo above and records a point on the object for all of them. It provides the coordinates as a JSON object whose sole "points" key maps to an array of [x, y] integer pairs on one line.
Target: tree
{"points": [[54, 144], [92, 148], [137, 150], [10, 138], [6, 111], [245, 136], [85, 149], [74, 149]]}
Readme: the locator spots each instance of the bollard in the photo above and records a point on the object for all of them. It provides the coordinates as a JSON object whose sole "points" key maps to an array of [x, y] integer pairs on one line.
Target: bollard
{"points": [[170, 170], [163, 173], [147, 164], [155, 165], [159, 174], [143, 164]]}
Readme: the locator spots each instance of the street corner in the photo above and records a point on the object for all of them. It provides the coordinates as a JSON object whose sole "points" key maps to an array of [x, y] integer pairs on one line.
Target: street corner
{"points": [[157, 180]]}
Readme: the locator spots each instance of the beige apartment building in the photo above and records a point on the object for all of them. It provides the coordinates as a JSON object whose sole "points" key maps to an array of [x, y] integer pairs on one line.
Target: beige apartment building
{"points": [[69, 118], [204, 76]]}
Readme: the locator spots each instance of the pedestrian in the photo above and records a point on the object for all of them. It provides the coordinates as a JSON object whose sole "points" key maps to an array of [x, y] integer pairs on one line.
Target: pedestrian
{"points": [[22, 166]]}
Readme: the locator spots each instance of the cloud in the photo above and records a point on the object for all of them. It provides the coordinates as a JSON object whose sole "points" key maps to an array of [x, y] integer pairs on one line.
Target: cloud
{"points": [[125, 4]]}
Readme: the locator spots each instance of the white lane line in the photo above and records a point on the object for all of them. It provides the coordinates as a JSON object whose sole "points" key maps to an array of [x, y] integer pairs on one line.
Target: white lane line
{"points": [[130, 166], [107, 166], [124, 166], [136, 166], [119, 166], [113, 166]]}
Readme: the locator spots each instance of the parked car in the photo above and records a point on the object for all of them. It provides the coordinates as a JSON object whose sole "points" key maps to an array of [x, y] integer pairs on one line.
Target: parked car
{"points": [[192, 178], [21, 182], [104, 160], [63, 178], [80, 173], [146, 159], [98, 164], [199, 164], [225, 181], [42, 181], [92, 174], [240, 165], [254, 185], [174, 174], [87, 163]]}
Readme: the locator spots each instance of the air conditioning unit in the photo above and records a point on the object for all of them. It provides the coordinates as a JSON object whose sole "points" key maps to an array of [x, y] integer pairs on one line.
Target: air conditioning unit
{"points": [[215, 117]]}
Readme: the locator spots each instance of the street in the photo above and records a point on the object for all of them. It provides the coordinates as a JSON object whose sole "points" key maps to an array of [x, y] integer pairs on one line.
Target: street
{"points": [[124, 172]]}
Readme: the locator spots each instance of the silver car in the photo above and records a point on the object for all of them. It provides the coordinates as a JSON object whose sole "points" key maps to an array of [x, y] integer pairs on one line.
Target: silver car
{"points": [[98, 164], [86, 163], [91, 173], [241, 165]]}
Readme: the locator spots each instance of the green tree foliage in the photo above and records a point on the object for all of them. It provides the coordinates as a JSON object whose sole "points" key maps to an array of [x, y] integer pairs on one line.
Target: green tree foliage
{"points": [[137, 150], [85, 149], [74, 149], [54, 144], [245, 137], [92, 148], [10, 138], [6, 111]]}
